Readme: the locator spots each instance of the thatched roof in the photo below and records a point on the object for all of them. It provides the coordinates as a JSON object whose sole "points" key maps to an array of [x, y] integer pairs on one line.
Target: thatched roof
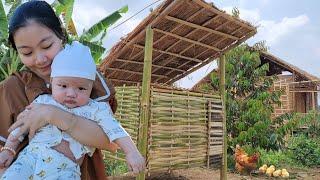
{"points": [[282, 65], [276, 66], [188, 34]]}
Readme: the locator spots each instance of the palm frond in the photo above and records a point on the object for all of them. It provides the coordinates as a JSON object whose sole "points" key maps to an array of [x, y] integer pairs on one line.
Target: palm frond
{"points": [[102, 25], [3, 23]]}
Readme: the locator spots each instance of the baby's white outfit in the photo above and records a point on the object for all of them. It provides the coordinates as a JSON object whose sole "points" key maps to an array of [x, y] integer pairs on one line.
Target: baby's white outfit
{"points": [[39, 161]]}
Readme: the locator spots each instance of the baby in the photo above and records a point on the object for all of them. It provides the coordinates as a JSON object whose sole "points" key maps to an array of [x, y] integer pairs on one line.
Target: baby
{"points": [[72, 77]]}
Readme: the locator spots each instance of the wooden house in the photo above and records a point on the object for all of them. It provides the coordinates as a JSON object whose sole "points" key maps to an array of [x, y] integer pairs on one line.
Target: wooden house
{"points": [[300, 88]]}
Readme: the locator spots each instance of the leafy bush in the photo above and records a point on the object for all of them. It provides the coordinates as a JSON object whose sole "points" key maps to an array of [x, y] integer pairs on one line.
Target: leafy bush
{"points": [[114, 166], [276, 158], [305, 151], [230, 162]]}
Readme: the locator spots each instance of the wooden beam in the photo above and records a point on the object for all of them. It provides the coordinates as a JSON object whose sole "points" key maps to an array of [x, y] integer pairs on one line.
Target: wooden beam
{"points": [[134, 72], [196, 26], [306, 91], [145, 100], [175, 28], [209, 59], [153, 65], [172, 54], [122, 80], [161, 38], [186, 39], [192, 32], [137, 36], [227, 16], [191, 45]]}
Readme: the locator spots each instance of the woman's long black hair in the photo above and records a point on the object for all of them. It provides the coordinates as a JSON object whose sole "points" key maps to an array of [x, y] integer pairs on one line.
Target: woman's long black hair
{"points": [[37, 11]]}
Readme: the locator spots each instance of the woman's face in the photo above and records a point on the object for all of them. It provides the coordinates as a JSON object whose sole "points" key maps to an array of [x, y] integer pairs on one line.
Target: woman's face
{"points": [[37, 45]]}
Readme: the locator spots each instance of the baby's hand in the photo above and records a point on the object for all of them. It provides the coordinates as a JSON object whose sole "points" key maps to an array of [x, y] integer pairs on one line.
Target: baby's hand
{"points": [[6, 158], [135, 162]]}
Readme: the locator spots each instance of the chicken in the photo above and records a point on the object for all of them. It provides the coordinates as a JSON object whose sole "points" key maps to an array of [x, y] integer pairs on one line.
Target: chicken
{"points": [[277, 173], [270, 170], [263, 169], [244, 162], [284, 173]]}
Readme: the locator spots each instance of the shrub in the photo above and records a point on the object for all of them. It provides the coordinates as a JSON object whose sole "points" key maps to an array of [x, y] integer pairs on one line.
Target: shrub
{"points": [[305, 150], [114, 166], [276, 158]]}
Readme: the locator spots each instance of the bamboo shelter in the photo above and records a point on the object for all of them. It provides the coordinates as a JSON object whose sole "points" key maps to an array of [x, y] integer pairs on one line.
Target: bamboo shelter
{"points": [[188, 34], [174, 128], [300, 88]]}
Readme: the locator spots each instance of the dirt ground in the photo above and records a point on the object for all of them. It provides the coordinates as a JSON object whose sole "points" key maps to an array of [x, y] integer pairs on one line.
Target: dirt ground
{"points": [[210, 174]]}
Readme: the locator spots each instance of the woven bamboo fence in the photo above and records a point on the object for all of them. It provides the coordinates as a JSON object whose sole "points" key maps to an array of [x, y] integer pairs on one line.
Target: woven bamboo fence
{"points": [[185, 128]]}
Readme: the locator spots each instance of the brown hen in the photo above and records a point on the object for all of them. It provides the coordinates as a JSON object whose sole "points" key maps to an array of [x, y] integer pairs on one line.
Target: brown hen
{"points": [[244, 163]]}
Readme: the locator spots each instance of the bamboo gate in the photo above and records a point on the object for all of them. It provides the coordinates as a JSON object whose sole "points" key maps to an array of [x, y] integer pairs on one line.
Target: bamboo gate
{"points": [[185, 128]]}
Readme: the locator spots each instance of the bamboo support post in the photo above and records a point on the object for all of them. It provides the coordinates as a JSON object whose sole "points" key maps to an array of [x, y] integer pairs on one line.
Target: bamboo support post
{"points": [[223, 171], [209, 129], [145, 99]]}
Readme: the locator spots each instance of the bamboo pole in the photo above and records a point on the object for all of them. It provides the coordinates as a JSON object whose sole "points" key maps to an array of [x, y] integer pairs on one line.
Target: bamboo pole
{"points": [[223, 171], [145, 98]]}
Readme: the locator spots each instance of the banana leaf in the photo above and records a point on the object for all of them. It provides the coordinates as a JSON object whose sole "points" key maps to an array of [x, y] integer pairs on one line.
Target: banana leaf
{"points": [[14, 5], [65, 7], [96, 50], [102, 25], [9, 2], [3, 23]]}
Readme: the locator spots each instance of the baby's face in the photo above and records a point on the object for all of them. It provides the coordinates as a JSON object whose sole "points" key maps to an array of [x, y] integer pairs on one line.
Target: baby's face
{"points": [[70, 91]]}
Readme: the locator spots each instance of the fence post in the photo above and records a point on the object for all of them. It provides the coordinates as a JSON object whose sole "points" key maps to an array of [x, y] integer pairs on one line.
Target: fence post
{"points": [[222, 70], [145, 99]]}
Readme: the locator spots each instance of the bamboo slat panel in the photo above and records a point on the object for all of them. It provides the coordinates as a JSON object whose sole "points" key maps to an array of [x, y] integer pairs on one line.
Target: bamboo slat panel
{"points": [[287, 104], [179, 129], [128, 114], [180, 133], [128, 111]]}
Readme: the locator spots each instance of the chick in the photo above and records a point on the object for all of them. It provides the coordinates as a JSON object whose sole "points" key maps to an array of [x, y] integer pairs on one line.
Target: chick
{"points": [[270, 170], [277, 173], [263, 169], [284, 173]]}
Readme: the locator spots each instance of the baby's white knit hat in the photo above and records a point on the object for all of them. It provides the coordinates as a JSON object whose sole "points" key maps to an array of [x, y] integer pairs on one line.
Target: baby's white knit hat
{"points": [[74, 60]]}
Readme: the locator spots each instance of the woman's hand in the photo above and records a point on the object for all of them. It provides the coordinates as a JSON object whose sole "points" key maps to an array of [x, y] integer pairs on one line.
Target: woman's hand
{"points": [[38, 115], [6, 159], [33, 118]]}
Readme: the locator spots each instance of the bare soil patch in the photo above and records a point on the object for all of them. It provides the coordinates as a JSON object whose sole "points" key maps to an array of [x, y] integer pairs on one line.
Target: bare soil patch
{"points": [[213, 174]]}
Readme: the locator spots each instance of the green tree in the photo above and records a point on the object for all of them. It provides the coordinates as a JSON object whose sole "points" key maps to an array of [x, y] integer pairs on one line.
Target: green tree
{"points": [[249, 103], [9, 60]]}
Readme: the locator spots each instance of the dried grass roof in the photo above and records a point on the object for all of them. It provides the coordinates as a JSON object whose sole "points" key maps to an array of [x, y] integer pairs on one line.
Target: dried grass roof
{"points": [[288, 67], [281, 65], [188, 34]]}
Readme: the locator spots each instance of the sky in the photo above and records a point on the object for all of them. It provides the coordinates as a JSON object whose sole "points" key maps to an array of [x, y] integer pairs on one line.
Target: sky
{"points": [[291, 28]]}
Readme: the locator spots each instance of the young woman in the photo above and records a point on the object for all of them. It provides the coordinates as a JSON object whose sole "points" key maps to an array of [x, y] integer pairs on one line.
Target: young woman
{"points": [[37, 34], [73, 73]]}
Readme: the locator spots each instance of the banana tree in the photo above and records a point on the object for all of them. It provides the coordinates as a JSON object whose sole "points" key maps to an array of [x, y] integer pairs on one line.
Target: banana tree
{"points": [[9, 60], [94, 35]]}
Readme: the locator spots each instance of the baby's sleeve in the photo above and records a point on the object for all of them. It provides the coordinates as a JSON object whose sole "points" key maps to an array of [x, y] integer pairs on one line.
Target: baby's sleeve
{"points": [[111, 127]]}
